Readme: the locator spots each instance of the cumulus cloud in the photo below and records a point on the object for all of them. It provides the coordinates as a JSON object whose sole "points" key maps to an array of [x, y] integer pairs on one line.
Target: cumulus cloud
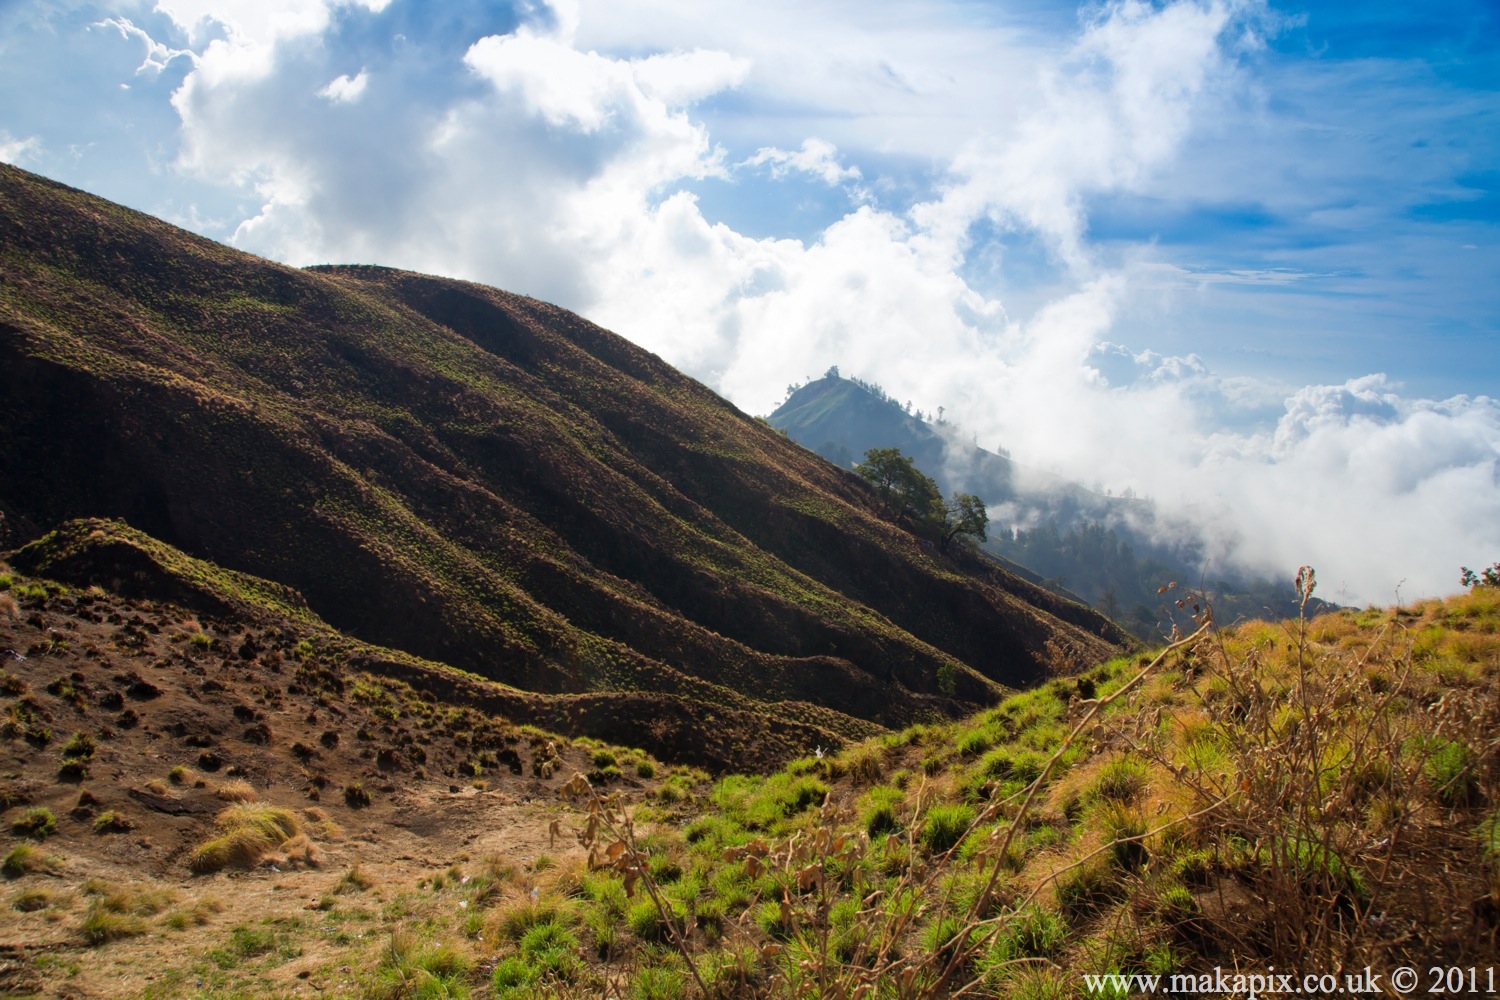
{"points": [[158, 55], [583, 90], [17, 151], [817, 157], [538, 158], [344, 89]]}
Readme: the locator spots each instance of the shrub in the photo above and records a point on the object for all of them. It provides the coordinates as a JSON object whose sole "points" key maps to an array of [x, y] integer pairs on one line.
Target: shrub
{"points": [[178, 775], [37, 822], [355, 795], [1310, 861], [945, 826], [645, 769]]}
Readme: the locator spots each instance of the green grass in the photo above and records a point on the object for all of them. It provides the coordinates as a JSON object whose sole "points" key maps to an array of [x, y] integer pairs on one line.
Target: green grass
{"points": [[38, 823], [945, 825]]}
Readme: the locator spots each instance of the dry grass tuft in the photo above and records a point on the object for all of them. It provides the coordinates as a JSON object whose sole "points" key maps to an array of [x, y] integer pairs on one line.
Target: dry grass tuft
{"points": [[237, 790], [117, 911], [247, 833], [299, 850]]}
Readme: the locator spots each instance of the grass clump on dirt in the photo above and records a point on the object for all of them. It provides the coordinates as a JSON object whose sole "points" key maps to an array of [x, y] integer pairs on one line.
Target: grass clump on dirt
{"points": [[116, 911], [111, 821], [23, 859], [246, 832], [38, 823]]}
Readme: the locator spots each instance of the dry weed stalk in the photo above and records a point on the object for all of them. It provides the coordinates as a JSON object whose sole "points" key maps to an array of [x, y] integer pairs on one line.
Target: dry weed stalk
{"points": [[609, 835]]}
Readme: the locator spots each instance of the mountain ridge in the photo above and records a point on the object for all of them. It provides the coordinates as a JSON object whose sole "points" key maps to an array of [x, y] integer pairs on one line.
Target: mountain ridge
{"points": [[474, 477]]}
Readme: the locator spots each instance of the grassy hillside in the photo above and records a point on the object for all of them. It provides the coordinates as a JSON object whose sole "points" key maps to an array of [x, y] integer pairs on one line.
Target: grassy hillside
{"points": [[1314, 796], [479, 479]]}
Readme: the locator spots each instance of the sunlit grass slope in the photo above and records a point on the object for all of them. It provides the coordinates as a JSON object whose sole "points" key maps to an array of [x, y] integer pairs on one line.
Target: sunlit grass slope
{"points": [[1316, 796]]}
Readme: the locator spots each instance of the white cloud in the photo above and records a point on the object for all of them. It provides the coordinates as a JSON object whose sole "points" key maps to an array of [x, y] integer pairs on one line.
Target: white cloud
{"points": [[158, 55], [817, 157], [344, 89], [16, 151], [562, 177], [584, 90], [256, 22]]}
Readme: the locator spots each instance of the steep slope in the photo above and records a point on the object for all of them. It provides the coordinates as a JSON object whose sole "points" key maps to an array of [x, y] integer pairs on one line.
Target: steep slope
{"points": [[476, 478], [253, 617]]}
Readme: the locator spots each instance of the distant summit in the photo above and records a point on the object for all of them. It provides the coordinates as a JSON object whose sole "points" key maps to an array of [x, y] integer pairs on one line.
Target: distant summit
{"points": [[842, 418], [1111, 552]]}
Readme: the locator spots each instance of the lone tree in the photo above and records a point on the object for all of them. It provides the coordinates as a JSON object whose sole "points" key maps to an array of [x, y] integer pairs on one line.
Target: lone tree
{"points": [[963, 514], [904, 490], [912, 496]]}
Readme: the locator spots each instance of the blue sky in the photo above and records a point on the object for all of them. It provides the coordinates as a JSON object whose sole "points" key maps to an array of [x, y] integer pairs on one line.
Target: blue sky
{"points": [[1222, 253]]}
